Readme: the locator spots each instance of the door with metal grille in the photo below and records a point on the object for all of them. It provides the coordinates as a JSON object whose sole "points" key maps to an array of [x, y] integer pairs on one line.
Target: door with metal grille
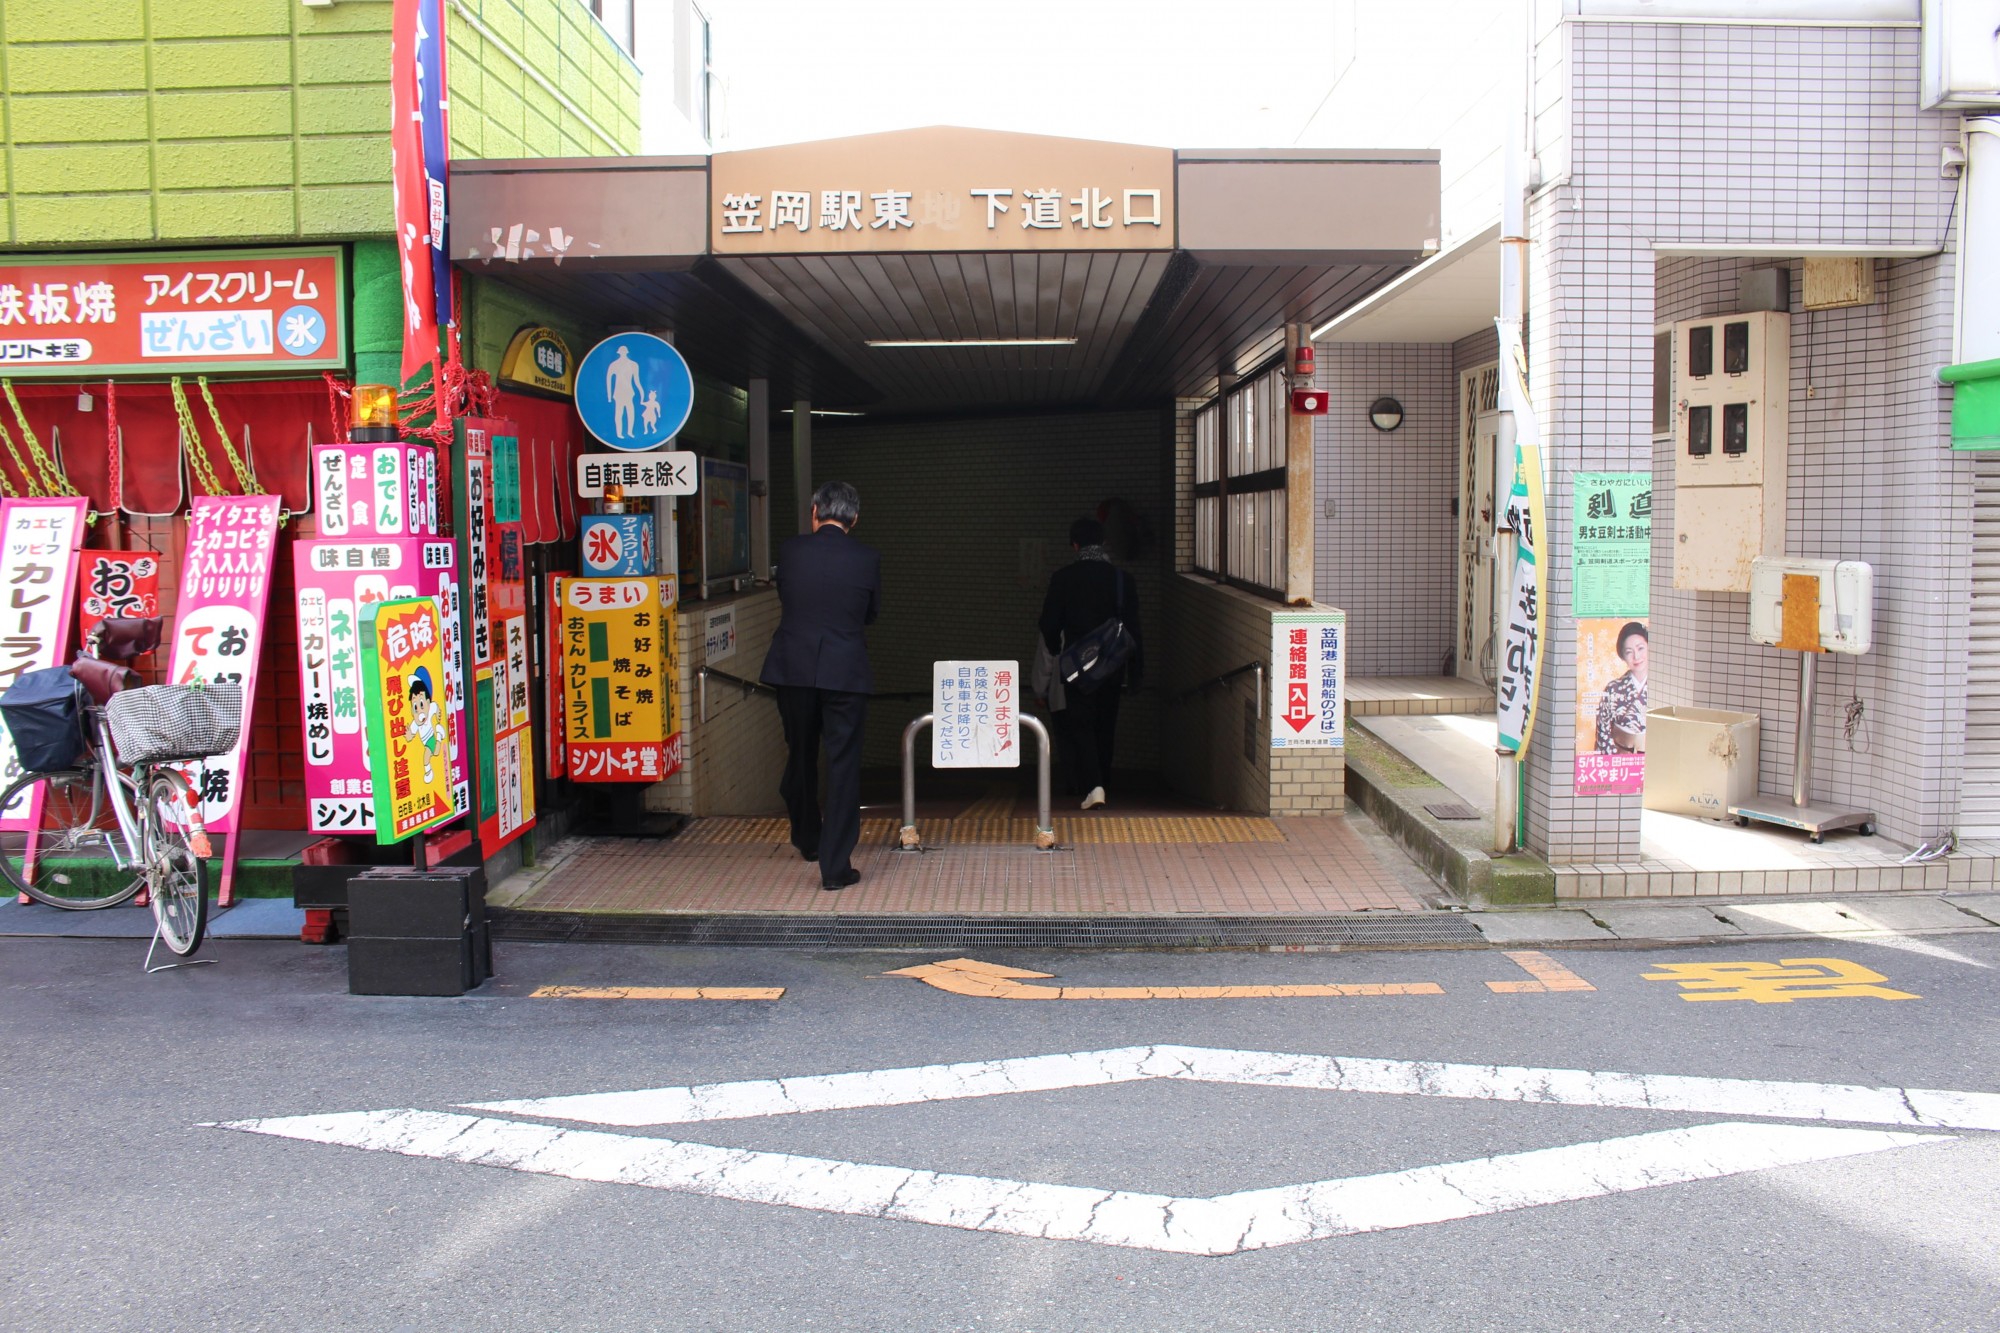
{"points": [[1979, 800]]}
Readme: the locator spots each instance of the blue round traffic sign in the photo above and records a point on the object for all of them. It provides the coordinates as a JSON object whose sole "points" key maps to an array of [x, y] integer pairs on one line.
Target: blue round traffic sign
{"points": [[634, 391]]}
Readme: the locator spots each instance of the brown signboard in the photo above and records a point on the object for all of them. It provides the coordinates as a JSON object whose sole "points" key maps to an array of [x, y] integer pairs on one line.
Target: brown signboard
{"points": [[941, 189]]}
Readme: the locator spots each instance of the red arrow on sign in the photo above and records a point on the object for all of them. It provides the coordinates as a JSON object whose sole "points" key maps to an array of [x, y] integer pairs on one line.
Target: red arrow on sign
{"points": [[1298, 709]]}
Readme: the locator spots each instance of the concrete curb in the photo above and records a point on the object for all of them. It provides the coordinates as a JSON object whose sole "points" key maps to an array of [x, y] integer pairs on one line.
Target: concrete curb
{"points": [[1453, 853]]}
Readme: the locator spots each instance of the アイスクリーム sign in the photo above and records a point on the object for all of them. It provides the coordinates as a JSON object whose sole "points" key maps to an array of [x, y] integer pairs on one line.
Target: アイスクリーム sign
{"points": [[165, 313]]}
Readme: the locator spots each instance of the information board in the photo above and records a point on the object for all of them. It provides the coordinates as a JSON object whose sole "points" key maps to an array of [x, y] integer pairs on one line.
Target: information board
{"points": [[975, 714]]}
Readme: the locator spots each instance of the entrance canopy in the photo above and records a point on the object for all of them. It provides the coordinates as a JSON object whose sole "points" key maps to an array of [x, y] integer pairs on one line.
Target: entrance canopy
{"points": [[944, 269]]}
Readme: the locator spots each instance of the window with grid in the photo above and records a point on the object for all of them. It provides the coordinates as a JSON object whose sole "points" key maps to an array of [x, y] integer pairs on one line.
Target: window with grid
{"points": [[1239, 485]]}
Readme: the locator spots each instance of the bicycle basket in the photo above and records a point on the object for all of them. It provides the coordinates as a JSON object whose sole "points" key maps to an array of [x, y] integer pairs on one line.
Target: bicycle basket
{"points": [[44, 714], [162, 722]]}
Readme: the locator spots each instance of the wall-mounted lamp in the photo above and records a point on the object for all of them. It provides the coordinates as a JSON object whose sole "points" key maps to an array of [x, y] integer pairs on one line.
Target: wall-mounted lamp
{"points": [[1385, 413]]}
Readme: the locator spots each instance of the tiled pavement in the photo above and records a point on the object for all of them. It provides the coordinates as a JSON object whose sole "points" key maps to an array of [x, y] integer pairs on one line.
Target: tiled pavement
{"points": [[1144, 864]]}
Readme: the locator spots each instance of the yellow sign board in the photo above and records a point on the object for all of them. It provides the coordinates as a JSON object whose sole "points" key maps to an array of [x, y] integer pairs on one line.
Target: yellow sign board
{"points": [[621, 719], [539, 359]]}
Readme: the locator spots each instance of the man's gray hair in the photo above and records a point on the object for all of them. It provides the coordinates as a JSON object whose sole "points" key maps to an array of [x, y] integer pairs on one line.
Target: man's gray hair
{"points": [[837, 502]]}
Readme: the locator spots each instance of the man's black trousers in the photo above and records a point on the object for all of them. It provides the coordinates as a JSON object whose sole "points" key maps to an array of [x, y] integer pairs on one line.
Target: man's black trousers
{"points": [[1087, 730], [835, 719]]}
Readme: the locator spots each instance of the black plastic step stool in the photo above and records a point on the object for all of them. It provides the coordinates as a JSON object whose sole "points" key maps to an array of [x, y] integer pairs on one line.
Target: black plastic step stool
{"points": [[417, 932]]}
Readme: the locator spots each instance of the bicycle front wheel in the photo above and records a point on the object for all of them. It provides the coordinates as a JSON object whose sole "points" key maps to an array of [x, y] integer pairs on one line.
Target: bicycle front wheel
{"points": [[64, 858], [179, 878]]}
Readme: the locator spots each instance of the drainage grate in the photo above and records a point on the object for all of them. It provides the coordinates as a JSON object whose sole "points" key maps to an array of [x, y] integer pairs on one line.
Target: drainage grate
{"points": [[1450, 810], [962, 932]]}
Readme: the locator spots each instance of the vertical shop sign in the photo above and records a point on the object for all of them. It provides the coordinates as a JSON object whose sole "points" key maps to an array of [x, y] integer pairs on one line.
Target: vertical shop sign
{"points": [[338, 582], [974, 714], [116, 583], [1308, 679], [37, 576], [614, 545], [409, 728], [621, 719], [495, 626], [376, 490], [1612, 552], [1521, 651], [219, 627]]}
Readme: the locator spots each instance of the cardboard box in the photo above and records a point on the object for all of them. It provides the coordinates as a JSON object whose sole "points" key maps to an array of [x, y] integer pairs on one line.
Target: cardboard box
{"points": [[1700, 761]]}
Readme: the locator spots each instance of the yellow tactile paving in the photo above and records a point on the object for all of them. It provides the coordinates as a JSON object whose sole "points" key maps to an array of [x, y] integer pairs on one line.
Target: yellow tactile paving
{"points": [[979, 829]]}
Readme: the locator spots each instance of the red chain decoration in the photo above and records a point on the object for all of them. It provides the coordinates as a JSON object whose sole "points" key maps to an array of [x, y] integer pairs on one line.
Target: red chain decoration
{"points": [[113, 450], [335, 391]]}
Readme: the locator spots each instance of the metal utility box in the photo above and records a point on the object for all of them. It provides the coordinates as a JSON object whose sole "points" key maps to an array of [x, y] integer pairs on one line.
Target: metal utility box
{"points": [[1699, 761], [1732, 422], [1845, 622]]}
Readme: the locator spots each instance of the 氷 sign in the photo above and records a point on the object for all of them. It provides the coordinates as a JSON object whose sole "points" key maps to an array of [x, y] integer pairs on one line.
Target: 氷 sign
{"points": [[975, 714], [338, 582], [403, 668], [169, 313], [612, 545], [38, 542], [219, 628], [621, 719], [1308, 679], [634, 391]]}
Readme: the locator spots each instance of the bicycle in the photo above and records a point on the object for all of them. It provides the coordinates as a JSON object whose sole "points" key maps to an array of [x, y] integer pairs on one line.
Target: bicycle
{"points": [[104, 829]]}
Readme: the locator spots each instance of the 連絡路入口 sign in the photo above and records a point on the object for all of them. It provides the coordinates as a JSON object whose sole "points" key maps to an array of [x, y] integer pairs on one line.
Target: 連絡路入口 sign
{"points": [[338, 582], [1308, 679], [166, 313], [673, 472], [411, 734], [634, 391], [975, 714], [620, 715]]}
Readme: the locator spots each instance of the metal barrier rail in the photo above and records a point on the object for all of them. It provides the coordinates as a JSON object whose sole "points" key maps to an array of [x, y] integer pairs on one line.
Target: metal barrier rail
{"points": [[1224, 679], [910, 840], [759, 687]]}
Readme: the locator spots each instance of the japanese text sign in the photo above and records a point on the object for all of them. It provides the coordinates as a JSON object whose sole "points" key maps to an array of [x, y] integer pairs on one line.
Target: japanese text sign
{"points": [[1308, 679], [616, 544], [975, 714], [496, 627], [219, 627], [620, 715], [375, 490], [163, 313], [1525, 515], [666, 472], [402, 667], [1611, 558], [338, 582], [116, 583], [38, 541], [941, 190]]}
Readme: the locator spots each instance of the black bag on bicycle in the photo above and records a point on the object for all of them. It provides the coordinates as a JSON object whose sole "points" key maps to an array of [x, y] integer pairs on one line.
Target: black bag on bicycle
{"points": [[44, 712]]}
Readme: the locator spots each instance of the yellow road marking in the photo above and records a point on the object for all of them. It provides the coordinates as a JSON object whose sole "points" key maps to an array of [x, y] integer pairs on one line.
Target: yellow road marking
{"points": [[656, 992], [969, 976], [1778, 983], [1548, 974]]}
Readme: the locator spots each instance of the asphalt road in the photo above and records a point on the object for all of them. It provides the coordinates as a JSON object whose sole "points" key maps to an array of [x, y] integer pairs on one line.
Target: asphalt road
{"points": [[121, 1206]]}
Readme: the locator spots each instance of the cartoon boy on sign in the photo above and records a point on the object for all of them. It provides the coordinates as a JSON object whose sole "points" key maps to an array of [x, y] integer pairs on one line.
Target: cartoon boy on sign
{"points": [[425, 728]]}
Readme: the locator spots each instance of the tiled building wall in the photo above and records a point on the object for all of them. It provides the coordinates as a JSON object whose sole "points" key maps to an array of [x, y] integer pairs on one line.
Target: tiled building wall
{"points": [[730, 764], [1869, 480], [1383, 530], [1680, 134], [971, 518]]}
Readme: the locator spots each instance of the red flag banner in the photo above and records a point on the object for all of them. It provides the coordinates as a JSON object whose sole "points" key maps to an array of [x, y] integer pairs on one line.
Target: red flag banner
{"points": [[417, 143]]}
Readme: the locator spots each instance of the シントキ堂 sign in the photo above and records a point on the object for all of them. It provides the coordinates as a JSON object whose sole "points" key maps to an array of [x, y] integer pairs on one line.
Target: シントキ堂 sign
{"points": [[620, 717], [165, 313]]}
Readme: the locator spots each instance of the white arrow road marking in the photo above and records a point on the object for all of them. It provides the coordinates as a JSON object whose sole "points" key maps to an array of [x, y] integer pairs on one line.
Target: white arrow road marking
{"points": [[1915, 1108], [1227, 1224]]}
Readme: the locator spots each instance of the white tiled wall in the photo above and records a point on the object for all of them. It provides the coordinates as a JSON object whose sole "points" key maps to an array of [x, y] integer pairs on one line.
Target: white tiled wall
{"points": [[1738, 135], [1383, 527]]}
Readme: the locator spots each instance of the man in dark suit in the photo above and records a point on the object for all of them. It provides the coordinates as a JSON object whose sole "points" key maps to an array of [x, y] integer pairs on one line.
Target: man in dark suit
{"points": [[1083, 595], [829, 590]]}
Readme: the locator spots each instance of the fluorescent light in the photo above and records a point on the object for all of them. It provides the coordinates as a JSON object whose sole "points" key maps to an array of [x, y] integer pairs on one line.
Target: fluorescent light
{"points": [[972, 342], [822, 412]]}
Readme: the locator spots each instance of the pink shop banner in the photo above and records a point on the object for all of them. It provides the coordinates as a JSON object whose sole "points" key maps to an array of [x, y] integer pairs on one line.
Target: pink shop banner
{"points": [[337, 582], [219, 627], [38, 544]]}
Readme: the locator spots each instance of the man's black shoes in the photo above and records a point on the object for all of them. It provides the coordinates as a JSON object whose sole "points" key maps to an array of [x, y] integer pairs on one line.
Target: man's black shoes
{"points": [[807, 853], [842, 880]]}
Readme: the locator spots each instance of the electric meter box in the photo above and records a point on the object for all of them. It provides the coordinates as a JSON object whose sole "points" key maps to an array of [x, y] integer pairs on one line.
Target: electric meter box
{"points": [[1846, 591], [1732, 422]]}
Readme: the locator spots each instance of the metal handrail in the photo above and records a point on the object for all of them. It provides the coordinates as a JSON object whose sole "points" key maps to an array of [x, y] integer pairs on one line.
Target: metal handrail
{"points": [[909, 840], [1224, 679], [759, 687]]}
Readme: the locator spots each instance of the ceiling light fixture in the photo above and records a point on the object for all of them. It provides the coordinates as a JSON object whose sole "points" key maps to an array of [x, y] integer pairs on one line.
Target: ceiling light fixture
{"points": [[971, 342], [821, 412]]}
